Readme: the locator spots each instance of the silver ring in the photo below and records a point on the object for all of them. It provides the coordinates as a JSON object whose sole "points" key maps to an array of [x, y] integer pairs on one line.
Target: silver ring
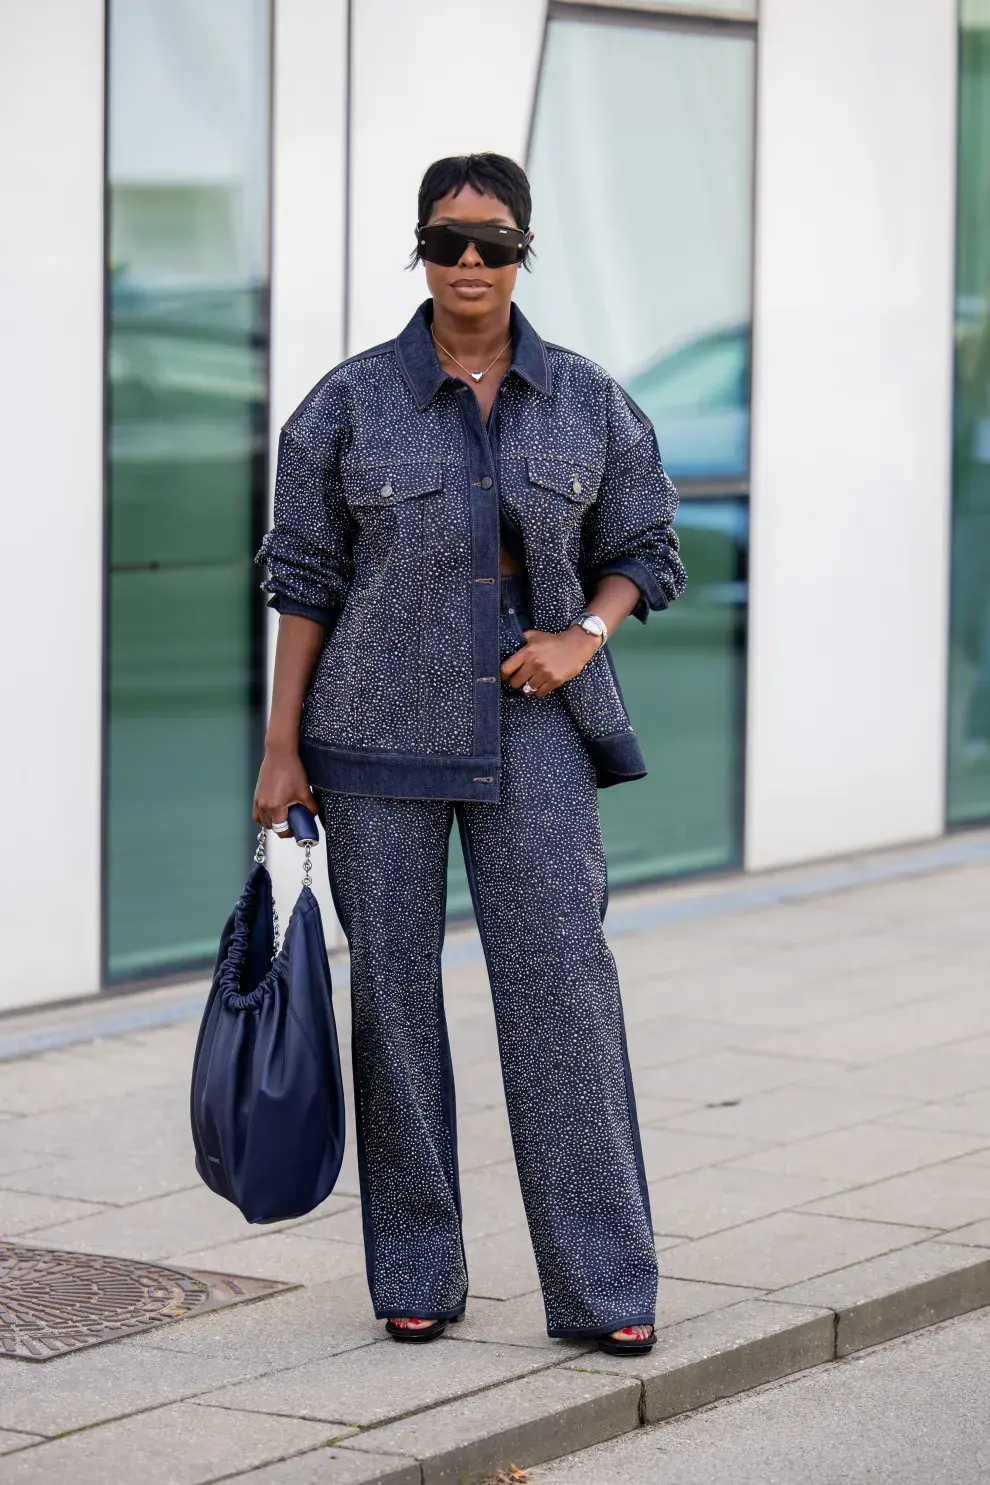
{"points": [[527, 689], [280, 825]]}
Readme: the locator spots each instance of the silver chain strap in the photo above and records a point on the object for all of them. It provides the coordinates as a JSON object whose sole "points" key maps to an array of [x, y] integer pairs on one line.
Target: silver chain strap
{"points": [[261, 850]]}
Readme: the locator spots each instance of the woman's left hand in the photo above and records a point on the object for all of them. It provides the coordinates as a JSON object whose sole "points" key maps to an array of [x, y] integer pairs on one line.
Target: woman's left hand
{"points": [[546, 661]]}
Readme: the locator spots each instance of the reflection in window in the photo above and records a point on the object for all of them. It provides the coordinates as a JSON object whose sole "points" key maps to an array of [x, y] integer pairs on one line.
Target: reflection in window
{"points": [[642, 183], [187, 287], [698, 398], [682, 676], [969, 656]]}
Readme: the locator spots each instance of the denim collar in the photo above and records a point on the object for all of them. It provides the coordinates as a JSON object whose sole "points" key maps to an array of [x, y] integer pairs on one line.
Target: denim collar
{"points": [[425, 375]]}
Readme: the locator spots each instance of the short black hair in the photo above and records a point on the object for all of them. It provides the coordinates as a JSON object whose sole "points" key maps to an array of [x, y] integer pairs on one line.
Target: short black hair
{"points": [[488, 174]]}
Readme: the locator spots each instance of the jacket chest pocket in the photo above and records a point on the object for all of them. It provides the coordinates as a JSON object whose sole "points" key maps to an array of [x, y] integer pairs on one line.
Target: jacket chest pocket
{"points": [[578, 482], [375, 491], [560, 490]]}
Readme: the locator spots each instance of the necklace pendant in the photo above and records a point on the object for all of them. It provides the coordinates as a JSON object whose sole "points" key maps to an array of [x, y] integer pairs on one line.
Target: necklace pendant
{"points": [[477, 375]]}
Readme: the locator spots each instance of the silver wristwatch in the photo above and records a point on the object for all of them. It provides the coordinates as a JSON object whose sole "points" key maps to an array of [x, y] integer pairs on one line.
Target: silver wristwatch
{"points": [[592, 624]]}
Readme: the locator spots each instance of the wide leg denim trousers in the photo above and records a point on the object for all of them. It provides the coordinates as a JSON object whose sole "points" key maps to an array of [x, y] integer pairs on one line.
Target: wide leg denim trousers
{"points": [[537, 874]]}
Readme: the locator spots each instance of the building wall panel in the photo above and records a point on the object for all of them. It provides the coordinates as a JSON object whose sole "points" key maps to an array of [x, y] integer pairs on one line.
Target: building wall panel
{"points": [[852, 403]]}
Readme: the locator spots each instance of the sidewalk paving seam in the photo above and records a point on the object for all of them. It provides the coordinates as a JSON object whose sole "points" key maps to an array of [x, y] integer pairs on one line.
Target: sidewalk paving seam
{"points": [[926, 1228], [286, 1459], [158, 1407], [106, 1206], [552, 1364]]}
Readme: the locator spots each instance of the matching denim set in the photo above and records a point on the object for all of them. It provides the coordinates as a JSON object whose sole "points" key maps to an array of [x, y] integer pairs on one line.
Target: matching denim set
{"points": [[392, 499]]}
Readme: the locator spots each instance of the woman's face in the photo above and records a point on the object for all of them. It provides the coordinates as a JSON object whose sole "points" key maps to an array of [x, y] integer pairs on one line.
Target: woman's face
{"points": [[469, 290]]}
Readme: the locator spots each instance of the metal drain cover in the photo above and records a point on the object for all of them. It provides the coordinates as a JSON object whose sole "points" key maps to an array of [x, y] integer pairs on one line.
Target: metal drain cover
{"points": [[53, 1302]]}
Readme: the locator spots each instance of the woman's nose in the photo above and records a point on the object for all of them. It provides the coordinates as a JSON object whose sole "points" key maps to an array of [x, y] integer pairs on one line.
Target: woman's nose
{"points": [[470, 258]]}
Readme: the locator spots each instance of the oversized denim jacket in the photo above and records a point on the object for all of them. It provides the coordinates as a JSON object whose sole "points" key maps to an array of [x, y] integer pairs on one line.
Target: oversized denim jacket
{"points": [[388, 498]]}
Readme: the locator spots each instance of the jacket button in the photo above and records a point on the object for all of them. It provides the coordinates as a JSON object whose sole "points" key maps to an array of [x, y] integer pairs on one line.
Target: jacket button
{"points": [[386, 490], [576, 485], [487, 482]]}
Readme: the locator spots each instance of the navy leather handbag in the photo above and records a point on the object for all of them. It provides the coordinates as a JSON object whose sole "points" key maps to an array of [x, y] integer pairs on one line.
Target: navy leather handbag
{"points": [[267, 1094]]}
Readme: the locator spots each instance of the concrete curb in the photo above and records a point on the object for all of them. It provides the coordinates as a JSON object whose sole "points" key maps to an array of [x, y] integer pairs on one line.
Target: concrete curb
{"points": [[591, 1399], [523, 1422], [728, 1351]]}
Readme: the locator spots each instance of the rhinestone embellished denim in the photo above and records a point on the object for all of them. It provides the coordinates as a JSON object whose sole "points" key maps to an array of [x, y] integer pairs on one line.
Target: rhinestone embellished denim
{"points": [[390, 495], [538, 881]]}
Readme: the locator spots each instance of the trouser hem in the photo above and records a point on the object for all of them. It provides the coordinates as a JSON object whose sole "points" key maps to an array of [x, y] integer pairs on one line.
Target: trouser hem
{"points": [[413, 1309], [577, 1333]]}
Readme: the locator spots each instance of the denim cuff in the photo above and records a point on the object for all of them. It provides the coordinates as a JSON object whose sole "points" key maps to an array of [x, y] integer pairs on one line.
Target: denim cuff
{"points": [[652, 595], [283, 605]]}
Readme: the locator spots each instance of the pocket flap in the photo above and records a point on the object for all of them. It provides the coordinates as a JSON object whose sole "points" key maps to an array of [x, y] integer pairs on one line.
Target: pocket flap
{"points": [[571, 477], [387, 484]]}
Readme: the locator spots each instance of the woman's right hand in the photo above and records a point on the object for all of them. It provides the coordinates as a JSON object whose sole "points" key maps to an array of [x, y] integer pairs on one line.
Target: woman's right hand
{"points": [[282, 781]]}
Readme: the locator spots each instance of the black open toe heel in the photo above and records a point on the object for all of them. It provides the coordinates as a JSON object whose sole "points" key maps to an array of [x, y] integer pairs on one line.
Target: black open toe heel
{"points": [[632, 1347], [421, 1332]]}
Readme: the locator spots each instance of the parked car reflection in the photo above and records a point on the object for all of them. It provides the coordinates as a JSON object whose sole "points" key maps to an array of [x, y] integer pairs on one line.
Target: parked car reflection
{"points": [[698, 398]]}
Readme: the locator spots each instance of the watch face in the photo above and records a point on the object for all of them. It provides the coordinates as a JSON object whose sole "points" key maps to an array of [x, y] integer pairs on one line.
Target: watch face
{"points": [[592, 624]]}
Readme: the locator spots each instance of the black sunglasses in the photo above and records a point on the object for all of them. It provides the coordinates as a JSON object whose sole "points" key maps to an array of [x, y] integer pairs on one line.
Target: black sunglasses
{"points": [[498, 247]]}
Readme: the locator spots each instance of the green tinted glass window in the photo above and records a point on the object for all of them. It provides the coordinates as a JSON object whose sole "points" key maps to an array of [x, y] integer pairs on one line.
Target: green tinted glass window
{"points": [[969, 653], [682, 675], [187, 455]]}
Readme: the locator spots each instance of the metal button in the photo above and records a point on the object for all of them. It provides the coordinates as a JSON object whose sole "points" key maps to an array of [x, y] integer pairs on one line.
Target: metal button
{"points": [[487, 482], [386, 490], [576, 485], [510, 610]]}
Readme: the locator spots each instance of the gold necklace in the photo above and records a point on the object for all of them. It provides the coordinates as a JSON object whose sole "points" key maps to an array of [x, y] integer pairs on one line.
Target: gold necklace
{"points": [[474, 375]]}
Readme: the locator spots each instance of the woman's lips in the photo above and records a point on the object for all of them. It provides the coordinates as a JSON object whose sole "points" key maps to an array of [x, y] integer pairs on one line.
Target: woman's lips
{"points": [[470, 288]]}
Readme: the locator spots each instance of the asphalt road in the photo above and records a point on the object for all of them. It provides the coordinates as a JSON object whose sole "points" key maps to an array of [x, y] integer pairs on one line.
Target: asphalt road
{"points": [[914, 1412]]}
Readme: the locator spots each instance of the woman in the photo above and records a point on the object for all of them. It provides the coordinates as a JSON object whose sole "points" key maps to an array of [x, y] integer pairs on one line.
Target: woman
{"points": [[462, 517]]}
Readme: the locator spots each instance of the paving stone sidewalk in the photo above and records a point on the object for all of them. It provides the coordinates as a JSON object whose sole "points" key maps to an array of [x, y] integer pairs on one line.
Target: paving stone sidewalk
{"points": [[812, 1060]]}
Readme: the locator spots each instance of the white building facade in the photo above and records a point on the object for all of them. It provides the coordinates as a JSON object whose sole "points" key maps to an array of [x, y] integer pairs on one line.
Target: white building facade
{"points": [[772, 224]]}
